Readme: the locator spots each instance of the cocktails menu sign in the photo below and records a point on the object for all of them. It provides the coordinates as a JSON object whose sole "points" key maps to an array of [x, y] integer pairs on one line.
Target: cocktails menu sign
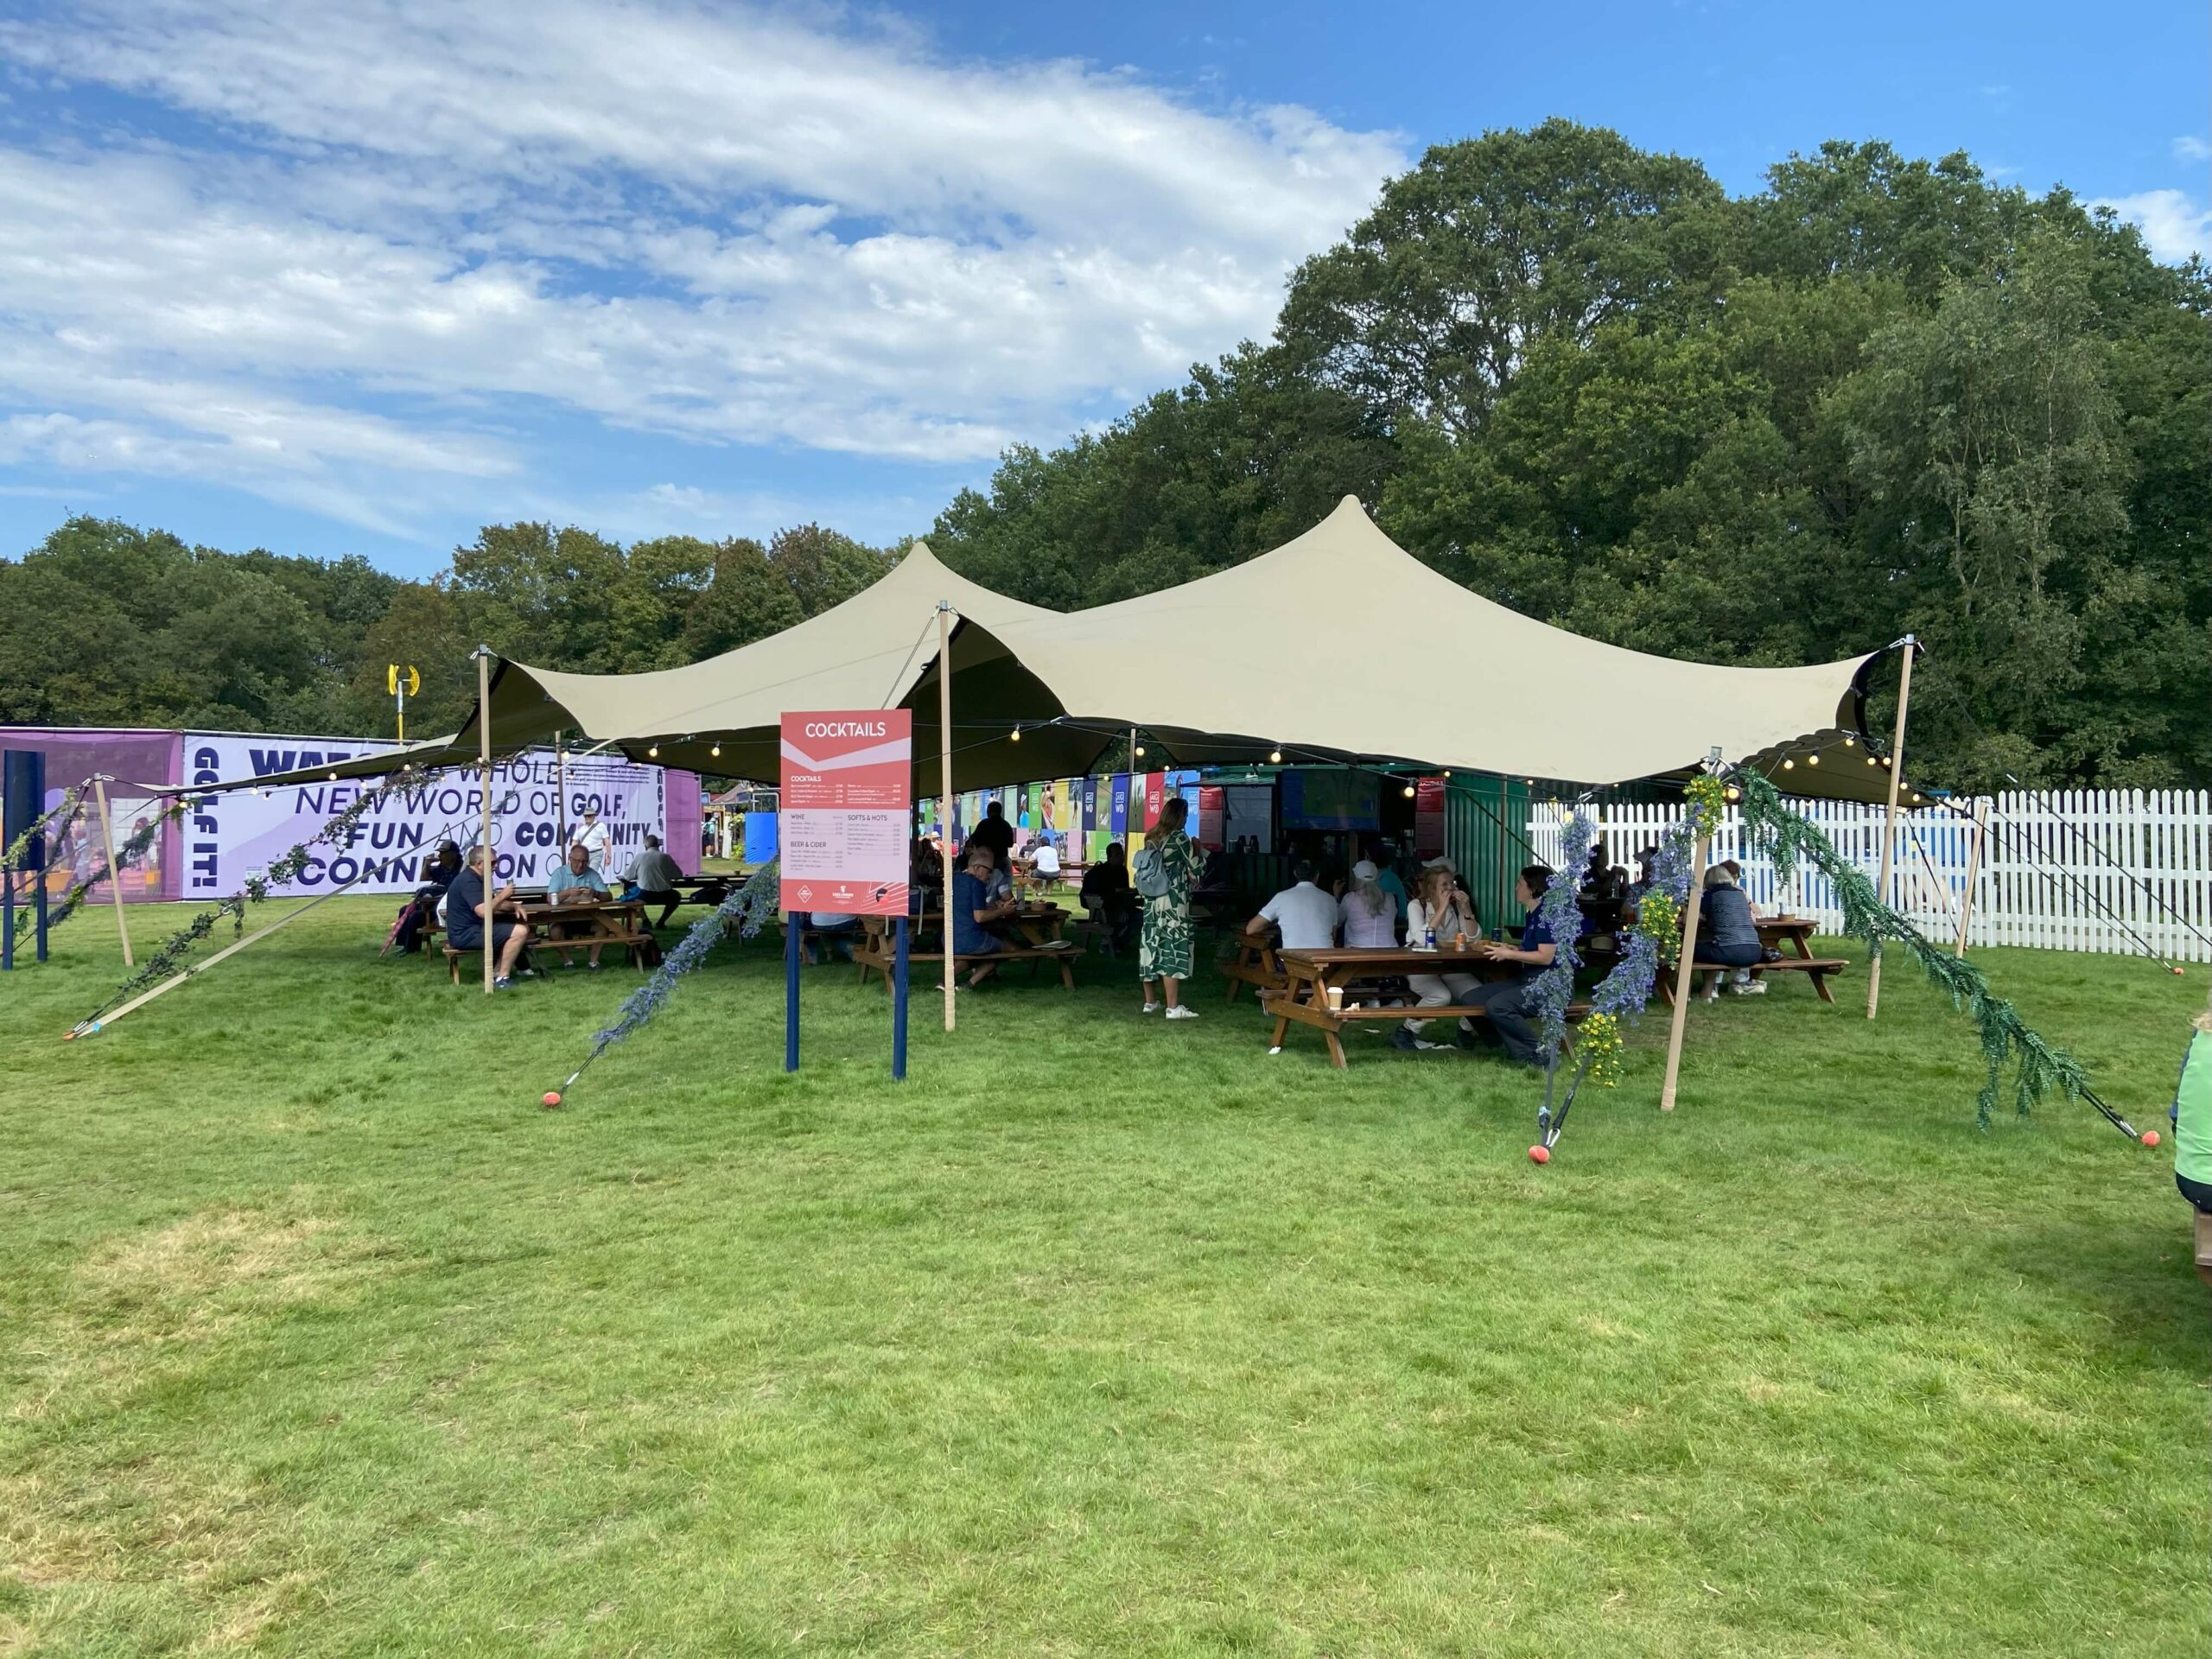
{"points": [[848, 793]]}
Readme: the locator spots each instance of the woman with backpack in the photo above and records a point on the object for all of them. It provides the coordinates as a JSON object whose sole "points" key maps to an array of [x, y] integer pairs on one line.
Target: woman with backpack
{"points": [[1164, 871]]}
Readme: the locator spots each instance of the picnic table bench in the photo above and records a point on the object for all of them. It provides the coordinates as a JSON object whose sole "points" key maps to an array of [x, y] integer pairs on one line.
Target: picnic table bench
{"points": [[1038, 927], [576, 926], [1775, 931], [1254, 960], [1310, 976], [2203, 1244]]}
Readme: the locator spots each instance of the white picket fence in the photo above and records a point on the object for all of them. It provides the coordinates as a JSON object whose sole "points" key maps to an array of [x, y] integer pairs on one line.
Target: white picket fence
{"points": [[2126, 872]]}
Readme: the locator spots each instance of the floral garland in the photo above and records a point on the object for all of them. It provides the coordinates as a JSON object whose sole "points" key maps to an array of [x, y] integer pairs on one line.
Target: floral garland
{"points": [[166, 957], [1624, 993], [1771, 827], [744, 912], [1561, 911]]}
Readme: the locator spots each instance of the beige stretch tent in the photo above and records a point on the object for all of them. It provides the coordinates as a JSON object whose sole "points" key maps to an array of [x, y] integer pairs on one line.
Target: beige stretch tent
{"points": [[1337, 646]]}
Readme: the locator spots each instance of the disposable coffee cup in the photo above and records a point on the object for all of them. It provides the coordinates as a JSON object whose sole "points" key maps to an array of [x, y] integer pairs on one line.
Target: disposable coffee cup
{"points": [[1336, 998]]}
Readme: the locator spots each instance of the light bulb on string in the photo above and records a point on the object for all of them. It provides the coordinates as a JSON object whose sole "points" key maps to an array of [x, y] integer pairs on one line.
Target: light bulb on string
{"points": [[716, 751], [1410, 791], [1275, 757], [1734, 793], [1789, 765], [1812, 760], [653, 751], [1139, 751], [1850, 742], [1017, 734]]}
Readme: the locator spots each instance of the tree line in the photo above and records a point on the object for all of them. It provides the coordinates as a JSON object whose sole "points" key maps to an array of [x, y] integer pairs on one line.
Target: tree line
{"points": [[1878, 396], [106, 625]]}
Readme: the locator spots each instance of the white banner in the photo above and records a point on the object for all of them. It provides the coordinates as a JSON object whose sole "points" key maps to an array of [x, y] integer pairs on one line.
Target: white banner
{"points": [[238, 835]]}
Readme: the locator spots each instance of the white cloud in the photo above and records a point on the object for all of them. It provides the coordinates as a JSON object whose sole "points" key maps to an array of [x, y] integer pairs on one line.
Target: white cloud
{"points": [[2191, 148], [717, 225], [2173, 225]]}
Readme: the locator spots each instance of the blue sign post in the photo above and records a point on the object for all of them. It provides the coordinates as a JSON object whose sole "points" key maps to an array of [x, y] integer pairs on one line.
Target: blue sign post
{"points": [[22, 804]]}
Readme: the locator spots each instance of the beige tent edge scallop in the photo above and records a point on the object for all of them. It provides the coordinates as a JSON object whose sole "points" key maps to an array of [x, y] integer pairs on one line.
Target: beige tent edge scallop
{"points": [[1337, 646]]}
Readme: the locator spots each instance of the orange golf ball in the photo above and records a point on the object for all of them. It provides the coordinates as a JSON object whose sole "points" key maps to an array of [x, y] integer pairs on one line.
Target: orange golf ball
{"points": [[1540, 1154], [2149, 1137], [552, 1097]]}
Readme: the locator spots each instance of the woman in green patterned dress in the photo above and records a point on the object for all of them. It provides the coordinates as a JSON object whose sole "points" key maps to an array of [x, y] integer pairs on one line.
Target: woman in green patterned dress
{"points": [[1164, 950]]}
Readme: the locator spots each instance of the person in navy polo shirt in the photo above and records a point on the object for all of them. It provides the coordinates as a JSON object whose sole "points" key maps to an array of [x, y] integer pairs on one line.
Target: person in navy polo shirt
{"points": [[467, 910], [1506, 999]]}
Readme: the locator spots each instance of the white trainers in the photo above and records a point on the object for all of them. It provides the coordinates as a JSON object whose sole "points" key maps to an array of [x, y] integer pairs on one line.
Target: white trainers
{"points": [[1152, 1007], [1179, 1012], [1749, 987]]}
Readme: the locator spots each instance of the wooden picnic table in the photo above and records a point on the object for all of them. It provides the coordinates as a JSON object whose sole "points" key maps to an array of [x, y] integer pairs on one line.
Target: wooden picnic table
{"points": [[575, 926], [1039, 925], [1793, 933], [1309, 975], [1254, 960]]}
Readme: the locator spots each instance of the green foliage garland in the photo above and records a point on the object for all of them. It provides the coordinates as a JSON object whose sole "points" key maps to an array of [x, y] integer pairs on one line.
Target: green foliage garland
{"points": [[165, 957], [1771, 827]]}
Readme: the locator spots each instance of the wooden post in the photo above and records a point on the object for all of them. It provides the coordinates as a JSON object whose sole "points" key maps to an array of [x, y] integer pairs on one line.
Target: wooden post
{"points": [[491, 863], [944, 785], [114, 875], [1686, 975], [1973, 872], [1889, 818], [561, 783]]}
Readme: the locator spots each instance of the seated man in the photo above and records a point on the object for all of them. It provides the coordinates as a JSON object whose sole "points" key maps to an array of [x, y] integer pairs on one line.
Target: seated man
{"points": [[1306, 915], [651, 877], [838, 929], [974, 911], [1111, 900], [576, 883], [1506, 999], [468, 912], [1044, 858]]}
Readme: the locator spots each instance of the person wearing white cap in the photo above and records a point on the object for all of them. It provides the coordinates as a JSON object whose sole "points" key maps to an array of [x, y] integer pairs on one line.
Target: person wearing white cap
{"points": [[592, 837], [1440, 908], [1368, 915]]}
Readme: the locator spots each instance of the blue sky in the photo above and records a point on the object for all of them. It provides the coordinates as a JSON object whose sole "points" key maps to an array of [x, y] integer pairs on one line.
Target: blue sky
{"points": [[364, 275]]}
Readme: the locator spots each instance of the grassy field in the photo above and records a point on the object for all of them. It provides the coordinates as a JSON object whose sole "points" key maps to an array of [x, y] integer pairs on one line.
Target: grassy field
{"points": [[317, 1336]]}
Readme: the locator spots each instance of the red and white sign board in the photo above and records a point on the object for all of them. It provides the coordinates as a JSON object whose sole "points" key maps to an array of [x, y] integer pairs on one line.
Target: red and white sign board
{"points": [[847, 790]]}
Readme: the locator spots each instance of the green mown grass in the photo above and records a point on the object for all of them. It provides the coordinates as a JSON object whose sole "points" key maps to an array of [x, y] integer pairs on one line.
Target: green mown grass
{"points": [[317, 1336]]}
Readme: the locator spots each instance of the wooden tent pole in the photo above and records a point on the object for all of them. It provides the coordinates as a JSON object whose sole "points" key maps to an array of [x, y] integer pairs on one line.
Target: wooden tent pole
{"points": [[561, 783], [491, 877], [114, 875], [944, 784], [1889, 818], [1686, 974], [1973, 872]]}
